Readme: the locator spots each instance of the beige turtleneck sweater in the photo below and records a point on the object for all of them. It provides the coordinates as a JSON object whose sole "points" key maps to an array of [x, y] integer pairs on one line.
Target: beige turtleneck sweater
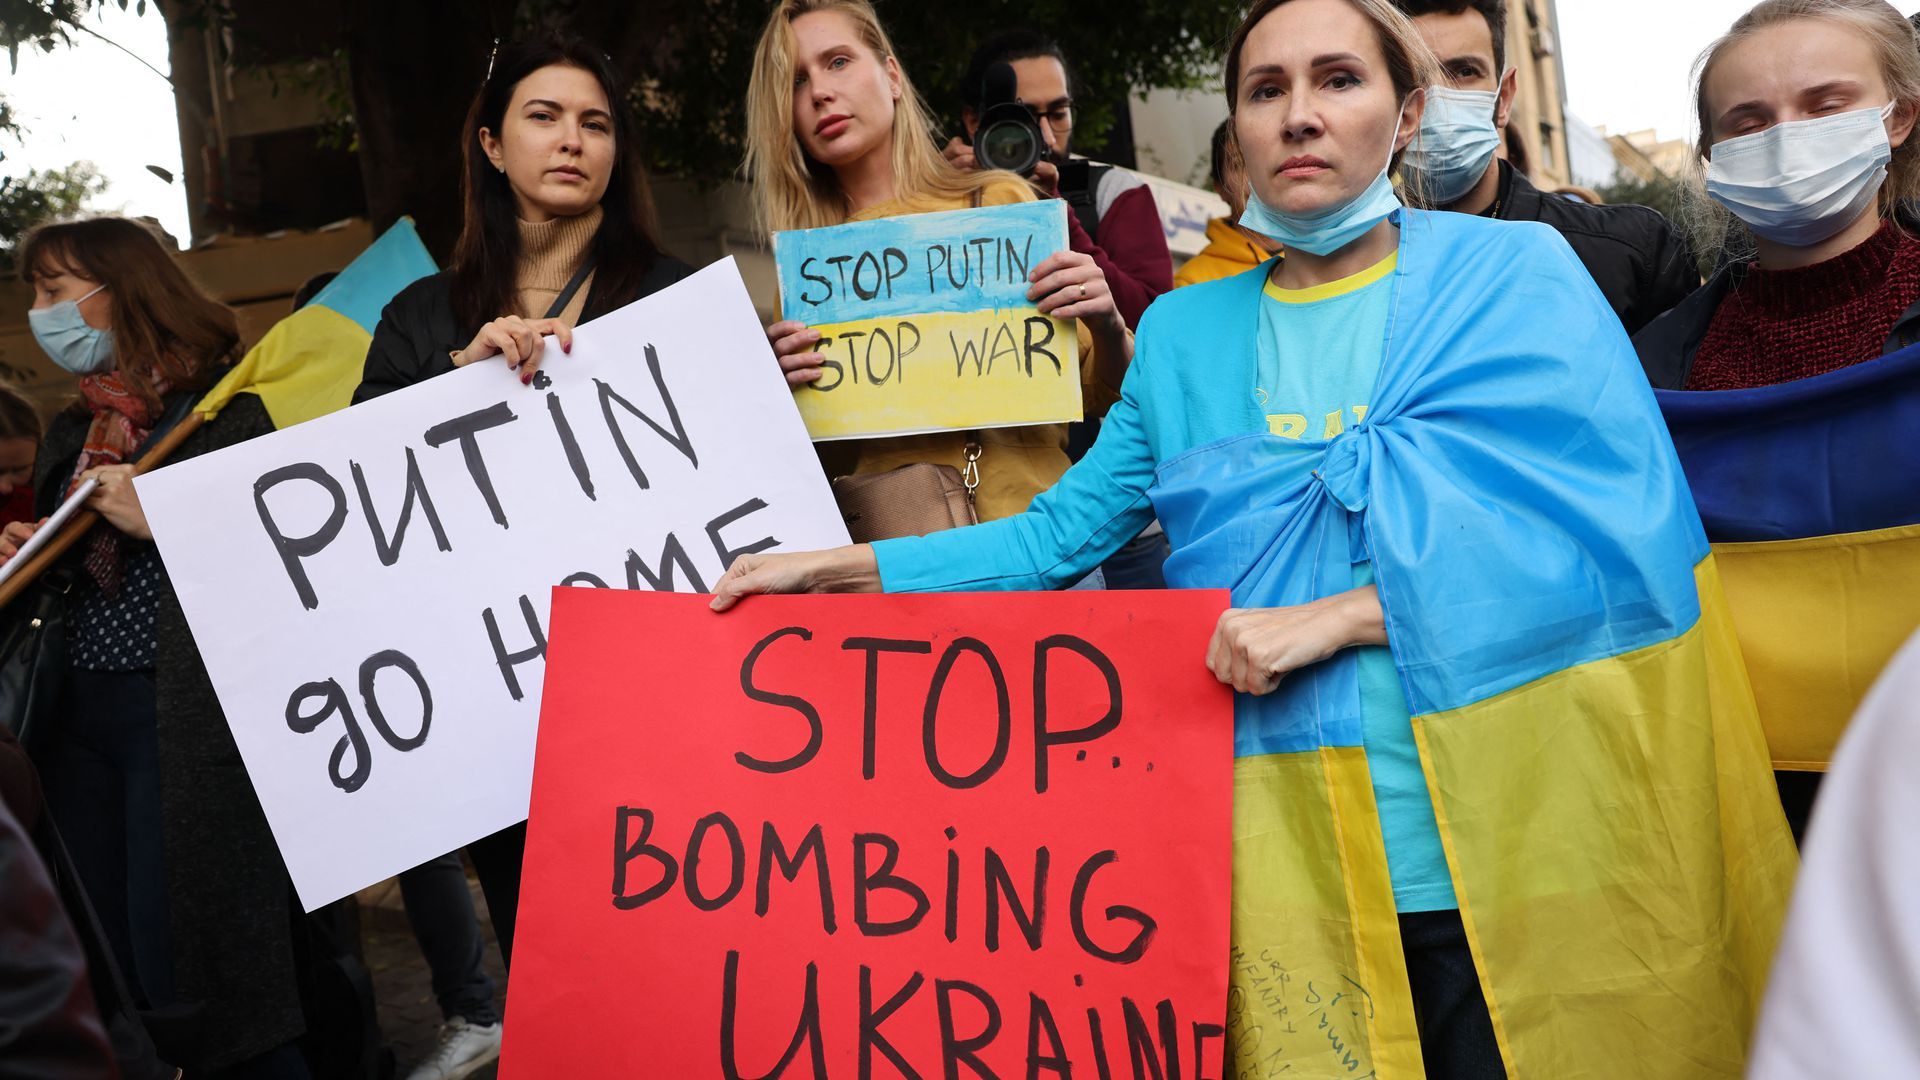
{"points": [[550, 252]]}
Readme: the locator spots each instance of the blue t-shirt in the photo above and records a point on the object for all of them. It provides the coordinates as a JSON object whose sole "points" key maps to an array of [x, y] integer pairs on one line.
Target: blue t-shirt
{"points": [[1320, 355]]}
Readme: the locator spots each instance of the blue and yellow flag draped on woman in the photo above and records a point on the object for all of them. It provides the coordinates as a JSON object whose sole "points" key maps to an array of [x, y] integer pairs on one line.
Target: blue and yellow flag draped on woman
{"points": [[1555, 617]]}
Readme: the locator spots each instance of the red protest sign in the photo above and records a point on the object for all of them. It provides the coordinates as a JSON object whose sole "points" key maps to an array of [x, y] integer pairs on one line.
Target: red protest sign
{"points": [[877, 836]]}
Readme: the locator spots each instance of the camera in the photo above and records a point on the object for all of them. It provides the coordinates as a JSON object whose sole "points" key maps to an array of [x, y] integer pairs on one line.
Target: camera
{"points": [[1009, 135]]}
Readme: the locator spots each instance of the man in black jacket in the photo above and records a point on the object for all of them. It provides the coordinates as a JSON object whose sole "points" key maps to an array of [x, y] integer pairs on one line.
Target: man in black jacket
{"points": [[1639, 259]]}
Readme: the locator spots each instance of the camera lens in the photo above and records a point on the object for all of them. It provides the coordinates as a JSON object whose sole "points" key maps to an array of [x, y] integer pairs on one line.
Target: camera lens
{"points": [[1009, 145]]}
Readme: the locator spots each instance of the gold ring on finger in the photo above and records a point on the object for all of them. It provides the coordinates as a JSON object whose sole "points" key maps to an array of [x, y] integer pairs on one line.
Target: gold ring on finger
{"points": [[1083, 291]]}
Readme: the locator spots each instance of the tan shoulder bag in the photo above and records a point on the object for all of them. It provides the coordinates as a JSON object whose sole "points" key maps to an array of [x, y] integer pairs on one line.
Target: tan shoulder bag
{"points": [[912, 500]]}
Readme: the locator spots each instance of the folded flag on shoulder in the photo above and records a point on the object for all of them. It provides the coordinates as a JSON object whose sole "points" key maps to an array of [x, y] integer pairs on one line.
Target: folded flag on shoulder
{"points": [[310, 362]]}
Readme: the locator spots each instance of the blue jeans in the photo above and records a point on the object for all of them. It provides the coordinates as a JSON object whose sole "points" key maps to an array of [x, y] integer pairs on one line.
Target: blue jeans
{"points": [[1137, 565], [100, 768], [448, 930]]}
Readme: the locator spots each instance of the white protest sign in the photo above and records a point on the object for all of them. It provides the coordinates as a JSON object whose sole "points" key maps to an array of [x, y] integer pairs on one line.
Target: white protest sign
{"points": [[370, 589]]}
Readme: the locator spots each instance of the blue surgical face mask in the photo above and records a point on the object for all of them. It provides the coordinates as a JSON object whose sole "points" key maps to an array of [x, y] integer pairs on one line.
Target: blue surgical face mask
{"points": [[65, 337], [1803, 181], [1455, 145], [1333, 228]]}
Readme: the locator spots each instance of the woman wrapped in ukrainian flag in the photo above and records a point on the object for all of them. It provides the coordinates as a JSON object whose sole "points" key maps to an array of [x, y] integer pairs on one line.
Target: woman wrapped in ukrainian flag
{"points": [[1791, 380], [1502, 806]]}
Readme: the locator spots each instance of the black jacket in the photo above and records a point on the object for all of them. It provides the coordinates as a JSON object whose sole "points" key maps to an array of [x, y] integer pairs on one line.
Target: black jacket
{"points": [[1668, 345], [1641, 262], [418, 333]]}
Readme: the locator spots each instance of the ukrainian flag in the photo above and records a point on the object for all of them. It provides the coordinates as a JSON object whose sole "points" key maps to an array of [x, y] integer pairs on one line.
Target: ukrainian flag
{"points": [[1576, 688], [1810, 492], [310, 362]]}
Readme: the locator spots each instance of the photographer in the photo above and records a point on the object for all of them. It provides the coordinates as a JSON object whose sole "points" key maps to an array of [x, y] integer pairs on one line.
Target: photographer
{"points": [[1114, 219]]}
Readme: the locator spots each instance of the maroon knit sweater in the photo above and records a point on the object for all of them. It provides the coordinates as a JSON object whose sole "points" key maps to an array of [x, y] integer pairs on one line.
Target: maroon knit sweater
{"points": [[1781, 325]]}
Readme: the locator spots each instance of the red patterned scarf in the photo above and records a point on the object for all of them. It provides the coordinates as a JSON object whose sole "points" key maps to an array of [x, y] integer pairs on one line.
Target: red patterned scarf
{"points": [[122, 420]]}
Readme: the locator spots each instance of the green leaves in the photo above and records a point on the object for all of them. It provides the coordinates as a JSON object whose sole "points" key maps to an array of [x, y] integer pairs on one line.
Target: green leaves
{"points": [[41, 196], [691, 102]]}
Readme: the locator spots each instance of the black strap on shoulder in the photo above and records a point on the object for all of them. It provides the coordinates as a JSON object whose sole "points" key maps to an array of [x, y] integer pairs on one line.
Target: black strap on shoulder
{"points": [[176, 411], [573, 286], [1085, 198]]}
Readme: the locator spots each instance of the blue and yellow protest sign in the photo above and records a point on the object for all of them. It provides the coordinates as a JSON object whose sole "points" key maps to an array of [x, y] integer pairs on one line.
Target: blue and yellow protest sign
{"points": [[925, 322], [1810, 492]]}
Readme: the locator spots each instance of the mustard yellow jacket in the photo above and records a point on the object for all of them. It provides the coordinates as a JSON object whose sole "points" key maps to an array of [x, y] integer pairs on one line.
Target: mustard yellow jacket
{"points": [[1228, 252]]}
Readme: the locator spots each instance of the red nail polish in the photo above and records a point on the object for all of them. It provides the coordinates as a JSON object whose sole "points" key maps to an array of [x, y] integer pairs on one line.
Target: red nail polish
{"points": [[567, 348], [527, 379]]}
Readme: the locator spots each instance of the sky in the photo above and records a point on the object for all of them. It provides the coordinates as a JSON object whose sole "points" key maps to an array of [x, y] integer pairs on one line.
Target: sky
{"points": [[1629, 63], [93, 102], [1627, 66]]}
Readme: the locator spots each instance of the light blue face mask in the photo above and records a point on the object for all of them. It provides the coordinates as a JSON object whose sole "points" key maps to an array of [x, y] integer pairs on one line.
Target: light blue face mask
{"points": [[1455, 145], [1333, 228], [67, 339], [1804, 181]]}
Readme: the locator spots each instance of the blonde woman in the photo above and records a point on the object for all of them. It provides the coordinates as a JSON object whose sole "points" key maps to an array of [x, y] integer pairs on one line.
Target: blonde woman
{"points": [[1501, 805], [836, 133], [1809, 175], [1807, 110]]}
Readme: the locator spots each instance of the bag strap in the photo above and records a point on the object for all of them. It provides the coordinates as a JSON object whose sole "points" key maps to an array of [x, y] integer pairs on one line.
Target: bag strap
{"points": [[1085, 201], [579, 278], [970, 472], [181, 408]]}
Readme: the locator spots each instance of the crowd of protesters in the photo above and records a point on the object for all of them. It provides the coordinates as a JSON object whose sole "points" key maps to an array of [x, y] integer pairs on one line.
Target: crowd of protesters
{"points": [[1396, 359]]}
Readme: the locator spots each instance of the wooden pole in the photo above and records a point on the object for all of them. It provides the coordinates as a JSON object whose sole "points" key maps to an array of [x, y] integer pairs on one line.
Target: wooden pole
{"points": [[77, 526]]}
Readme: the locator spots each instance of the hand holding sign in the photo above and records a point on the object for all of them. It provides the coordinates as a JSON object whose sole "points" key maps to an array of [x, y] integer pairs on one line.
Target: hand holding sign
{"points": [[520, 341], [796, 346], [1069, 285]]}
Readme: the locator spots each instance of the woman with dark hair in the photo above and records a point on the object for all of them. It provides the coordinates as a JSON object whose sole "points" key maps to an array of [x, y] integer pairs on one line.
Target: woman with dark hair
{"points": [[556, 226], [141, 774]]}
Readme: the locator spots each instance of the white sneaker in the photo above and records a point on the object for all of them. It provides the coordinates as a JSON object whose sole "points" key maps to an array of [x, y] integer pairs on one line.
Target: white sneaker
{"points": [[464, 1049]]}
